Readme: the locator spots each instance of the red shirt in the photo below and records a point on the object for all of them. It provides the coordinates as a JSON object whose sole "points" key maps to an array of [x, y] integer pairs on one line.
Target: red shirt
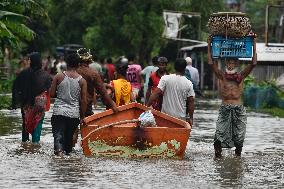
{"points": [[153, 84], [111, 70]]}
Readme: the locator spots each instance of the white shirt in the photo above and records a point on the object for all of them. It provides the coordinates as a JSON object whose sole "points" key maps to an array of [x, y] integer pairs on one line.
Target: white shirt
{"points": [[176, 90], [193, 73], [61, 66]]}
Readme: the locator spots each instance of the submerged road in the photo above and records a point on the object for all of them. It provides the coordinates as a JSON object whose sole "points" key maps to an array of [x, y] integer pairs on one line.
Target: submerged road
{"points": [[261, 166]]}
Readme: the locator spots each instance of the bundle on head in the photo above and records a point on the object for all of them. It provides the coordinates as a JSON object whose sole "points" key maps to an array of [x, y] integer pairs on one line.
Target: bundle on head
{"points": [[231, 24], [84, 54]]}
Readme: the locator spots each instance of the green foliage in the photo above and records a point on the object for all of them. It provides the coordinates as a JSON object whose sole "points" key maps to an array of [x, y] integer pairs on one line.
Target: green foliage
{"points": [[113, 28], [206, 8], [256, 10], [17, 21], [275, 111], [250, 80], [70, 19], [5, 102], [13, 26], [120, 27], [262, 94], [6, 85], [123, 27]]}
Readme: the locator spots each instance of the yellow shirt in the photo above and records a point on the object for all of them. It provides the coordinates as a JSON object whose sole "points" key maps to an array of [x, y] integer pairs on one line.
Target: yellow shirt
{"points": [[122, 91]]}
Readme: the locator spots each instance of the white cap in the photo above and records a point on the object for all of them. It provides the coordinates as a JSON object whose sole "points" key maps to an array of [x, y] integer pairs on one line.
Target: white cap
{"points": [[188, 60], [124, 60]]}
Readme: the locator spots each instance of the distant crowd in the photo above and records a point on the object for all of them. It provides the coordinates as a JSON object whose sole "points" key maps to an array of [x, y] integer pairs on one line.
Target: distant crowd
{"points": [[141, 79]]}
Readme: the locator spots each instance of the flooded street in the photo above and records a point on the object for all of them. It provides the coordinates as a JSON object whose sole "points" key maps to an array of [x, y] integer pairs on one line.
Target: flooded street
{"points": [[261, 165]]}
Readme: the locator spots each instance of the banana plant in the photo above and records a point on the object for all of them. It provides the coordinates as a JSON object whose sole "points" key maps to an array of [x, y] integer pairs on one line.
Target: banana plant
{"points": [[14, 20]]}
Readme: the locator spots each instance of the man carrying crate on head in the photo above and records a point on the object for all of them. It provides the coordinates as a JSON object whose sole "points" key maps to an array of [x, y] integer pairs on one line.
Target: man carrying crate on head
{"points": [[231, 123]]}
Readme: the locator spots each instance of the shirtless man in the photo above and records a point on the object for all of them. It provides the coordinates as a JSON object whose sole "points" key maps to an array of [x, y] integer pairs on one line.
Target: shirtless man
{"points": [[231, 123], [94, 83]]}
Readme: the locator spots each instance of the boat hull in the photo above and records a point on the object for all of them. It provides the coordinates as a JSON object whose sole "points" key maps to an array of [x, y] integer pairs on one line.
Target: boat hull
{"points": [[167, 140]]}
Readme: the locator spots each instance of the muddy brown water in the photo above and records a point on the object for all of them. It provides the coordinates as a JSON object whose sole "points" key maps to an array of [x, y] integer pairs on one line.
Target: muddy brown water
{"points": [[261, 166]]}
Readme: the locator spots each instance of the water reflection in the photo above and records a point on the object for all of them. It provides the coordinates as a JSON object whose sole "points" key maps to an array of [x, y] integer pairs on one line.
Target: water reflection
{"points": [[8, 124], [230, 170], [68, 169], [28, 148]]}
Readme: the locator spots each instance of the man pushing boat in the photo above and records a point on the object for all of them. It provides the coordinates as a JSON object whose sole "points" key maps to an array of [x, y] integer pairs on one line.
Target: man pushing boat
{"points": [[178, 93], [232, 119]]}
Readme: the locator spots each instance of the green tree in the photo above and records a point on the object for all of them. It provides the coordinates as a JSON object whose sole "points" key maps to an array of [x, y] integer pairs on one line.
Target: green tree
{"points": [[15, 19], [256, 9], [13, 26], [69, 20], [205, 8], [122, 27]]}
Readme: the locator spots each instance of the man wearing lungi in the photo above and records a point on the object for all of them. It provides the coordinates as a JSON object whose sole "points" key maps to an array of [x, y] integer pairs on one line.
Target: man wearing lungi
{"points": [[232, 119]]}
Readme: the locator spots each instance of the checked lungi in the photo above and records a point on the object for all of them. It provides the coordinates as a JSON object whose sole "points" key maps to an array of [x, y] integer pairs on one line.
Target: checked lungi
{"points": [[231, 125]]}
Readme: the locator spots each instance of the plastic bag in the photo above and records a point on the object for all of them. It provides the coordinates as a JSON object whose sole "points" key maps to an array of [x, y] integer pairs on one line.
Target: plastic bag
{"points": [[147, 119]]}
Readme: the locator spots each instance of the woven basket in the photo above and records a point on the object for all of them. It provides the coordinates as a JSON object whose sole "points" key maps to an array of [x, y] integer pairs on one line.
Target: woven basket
{"points": [[229, 24]]}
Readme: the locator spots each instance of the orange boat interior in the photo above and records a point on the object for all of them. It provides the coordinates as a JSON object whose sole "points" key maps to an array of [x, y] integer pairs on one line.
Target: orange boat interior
{"points": [[131, 112]]}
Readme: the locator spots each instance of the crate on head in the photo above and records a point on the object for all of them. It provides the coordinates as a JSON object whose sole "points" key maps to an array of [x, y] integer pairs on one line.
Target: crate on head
{"points": [[232, 47]]}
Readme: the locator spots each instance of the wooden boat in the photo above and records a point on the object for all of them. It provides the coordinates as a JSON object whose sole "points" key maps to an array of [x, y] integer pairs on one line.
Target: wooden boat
{"points": [[119, 135]]}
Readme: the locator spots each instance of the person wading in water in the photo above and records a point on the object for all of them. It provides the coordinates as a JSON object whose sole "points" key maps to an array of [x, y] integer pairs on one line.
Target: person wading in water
{"points": [[70, 92], [94, 83], [232, 119], [154, 81], [31, 92], [178, 93]]}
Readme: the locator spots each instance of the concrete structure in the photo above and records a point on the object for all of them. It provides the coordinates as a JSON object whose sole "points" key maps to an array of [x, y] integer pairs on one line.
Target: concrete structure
{"points": [[270, 61]]}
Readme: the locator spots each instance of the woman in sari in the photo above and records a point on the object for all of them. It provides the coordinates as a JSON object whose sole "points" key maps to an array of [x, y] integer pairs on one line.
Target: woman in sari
{"points": [[31, 92]]}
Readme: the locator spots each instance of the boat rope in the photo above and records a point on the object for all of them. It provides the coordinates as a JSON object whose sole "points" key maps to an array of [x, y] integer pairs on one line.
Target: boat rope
{"points": [[109, 125]]}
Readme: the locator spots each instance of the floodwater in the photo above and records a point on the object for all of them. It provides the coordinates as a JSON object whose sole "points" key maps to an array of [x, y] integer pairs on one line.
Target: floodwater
{"points": [[261, 165]]}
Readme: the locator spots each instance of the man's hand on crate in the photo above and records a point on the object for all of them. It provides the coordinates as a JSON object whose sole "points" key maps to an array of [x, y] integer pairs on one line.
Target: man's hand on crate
{"points": [[252, 34], [254, 57], [209, 50]]}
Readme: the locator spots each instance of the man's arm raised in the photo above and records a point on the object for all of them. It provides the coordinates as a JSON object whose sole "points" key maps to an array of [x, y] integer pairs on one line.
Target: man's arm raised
{"points": [[250, 67], [215, 68]]}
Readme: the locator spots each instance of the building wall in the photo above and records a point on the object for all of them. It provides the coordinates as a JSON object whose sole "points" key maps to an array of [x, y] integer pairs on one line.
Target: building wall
{"points": [[267, 72]]}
